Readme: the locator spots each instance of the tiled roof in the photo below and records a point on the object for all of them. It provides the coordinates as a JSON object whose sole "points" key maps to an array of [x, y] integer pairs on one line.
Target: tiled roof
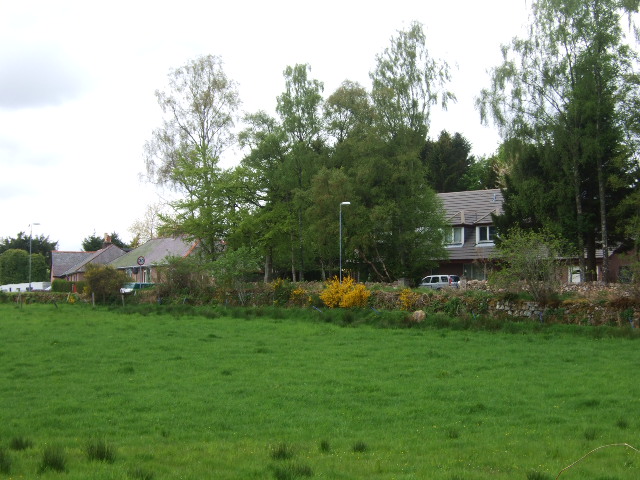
{"points": [[155, 252], [473, 207], [102, 256], [62, 261]]}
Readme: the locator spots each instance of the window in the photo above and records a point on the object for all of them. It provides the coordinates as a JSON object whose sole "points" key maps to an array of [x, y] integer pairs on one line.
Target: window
{"points": [[454, 236], [486, 234]]}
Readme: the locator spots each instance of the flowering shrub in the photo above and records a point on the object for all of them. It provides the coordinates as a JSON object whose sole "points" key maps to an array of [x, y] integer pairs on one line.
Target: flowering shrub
{"points": [[281, 291], [300, 297], [408, 299], [346, 294]]}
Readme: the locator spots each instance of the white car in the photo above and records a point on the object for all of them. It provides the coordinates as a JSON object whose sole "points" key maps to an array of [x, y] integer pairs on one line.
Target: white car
{"points": [[132, 287], [438, 282]]}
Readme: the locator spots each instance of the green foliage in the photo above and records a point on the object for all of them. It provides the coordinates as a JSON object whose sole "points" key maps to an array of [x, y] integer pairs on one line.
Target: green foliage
{"points": [[23, 241], [183, 277], [14, 267], [104, 281], [447, 161], [530, 261], [233, 269], [569, 93], [407, 81], [59, 285], [200, 105], [93, 242]]}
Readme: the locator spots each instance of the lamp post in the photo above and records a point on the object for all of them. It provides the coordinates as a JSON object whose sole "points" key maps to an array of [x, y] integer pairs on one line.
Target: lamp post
{"points": [[30, 236], [341, 204]]}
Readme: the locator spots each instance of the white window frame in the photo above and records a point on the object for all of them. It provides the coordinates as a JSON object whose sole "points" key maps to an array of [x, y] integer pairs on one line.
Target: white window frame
{"points": [[490, 238], [450, 236]]}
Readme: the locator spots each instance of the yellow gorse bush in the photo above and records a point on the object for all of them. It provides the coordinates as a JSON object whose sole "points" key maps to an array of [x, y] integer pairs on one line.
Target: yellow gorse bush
{"points": [[300, 297], [347, 294], [408, 299]]}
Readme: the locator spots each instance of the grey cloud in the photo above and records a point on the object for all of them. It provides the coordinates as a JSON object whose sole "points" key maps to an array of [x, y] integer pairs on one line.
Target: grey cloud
{"points": [[39, 76]]}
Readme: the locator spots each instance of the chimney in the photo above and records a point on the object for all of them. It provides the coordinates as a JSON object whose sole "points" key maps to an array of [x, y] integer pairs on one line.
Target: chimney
{"points": [[107, 240]]}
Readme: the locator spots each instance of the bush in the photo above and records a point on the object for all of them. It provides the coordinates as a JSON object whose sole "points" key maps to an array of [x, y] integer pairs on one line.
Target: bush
{"points": [[408, 299], [104, 281], [182, 277], [530, 262], [347, 294]]}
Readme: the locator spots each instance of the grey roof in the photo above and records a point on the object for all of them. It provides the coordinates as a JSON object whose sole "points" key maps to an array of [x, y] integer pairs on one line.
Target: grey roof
{"points": [[155, 252], [102, 256], [62, 261], [473, 207], [469, 210]]}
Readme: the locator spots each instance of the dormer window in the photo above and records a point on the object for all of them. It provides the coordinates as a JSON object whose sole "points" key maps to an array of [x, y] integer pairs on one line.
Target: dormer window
{"points": [[454, 236], [485, 234]]}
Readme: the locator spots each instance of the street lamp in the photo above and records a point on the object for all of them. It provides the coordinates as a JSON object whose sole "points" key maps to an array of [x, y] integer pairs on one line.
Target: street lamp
{"points": [[341, 204], [30, 235]]}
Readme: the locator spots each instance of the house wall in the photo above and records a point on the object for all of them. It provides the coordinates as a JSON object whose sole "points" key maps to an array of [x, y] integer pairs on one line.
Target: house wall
{"points": [[619, 265]]}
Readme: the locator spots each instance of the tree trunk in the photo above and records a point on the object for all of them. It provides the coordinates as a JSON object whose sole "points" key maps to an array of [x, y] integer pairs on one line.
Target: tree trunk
{"points": [[268, 265], [293, 260], [301, 273]]}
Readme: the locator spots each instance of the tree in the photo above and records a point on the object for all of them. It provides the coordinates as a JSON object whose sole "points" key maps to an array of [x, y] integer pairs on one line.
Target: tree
{"points": [[14, 267], [268, 222], [37, 244], [407, 81], [93, 243], [348, 112], [299, 108], [568, 89], [481, 174], [200, 110], [146, 228], [447, 161], [394, 220]]}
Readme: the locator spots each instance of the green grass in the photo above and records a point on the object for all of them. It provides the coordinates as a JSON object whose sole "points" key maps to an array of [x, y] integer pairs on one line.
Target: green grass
{"points": [[180, 396]]}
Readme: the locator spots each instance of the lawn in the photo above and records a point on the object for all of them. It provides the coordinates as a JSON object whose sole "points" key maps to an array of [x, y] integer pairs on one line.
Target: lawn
{"points": [[190, 397]]}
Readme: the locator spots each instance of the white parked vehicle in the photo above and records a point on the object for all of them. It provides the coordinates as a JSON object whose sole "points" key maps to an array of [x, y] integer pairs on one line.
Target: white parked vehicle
{"points": [[438, 282]]}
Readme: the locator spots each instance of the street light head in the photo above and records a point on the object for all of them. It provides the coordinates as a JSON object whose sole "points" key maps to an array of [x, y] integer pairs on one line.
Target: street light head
{"points": [[345, 203]]}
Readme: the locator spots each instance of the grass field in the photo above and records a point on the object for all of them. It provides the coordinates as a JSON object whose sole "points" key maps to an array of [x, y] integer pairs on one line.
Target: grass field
{"points": [[102, 395]]}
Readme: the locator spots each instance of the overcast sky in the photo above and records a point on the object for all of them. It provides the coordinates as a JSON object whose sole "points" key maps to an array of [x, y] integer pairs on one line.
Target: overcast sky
{"points": [[77, 82]]}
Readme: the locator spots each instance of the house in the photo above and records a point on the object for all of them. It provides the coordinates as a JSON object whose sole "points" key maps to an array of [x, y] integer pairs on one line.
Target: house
{"points": [[470, 237], [141, 263], [75, 272], [63, 261]]}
